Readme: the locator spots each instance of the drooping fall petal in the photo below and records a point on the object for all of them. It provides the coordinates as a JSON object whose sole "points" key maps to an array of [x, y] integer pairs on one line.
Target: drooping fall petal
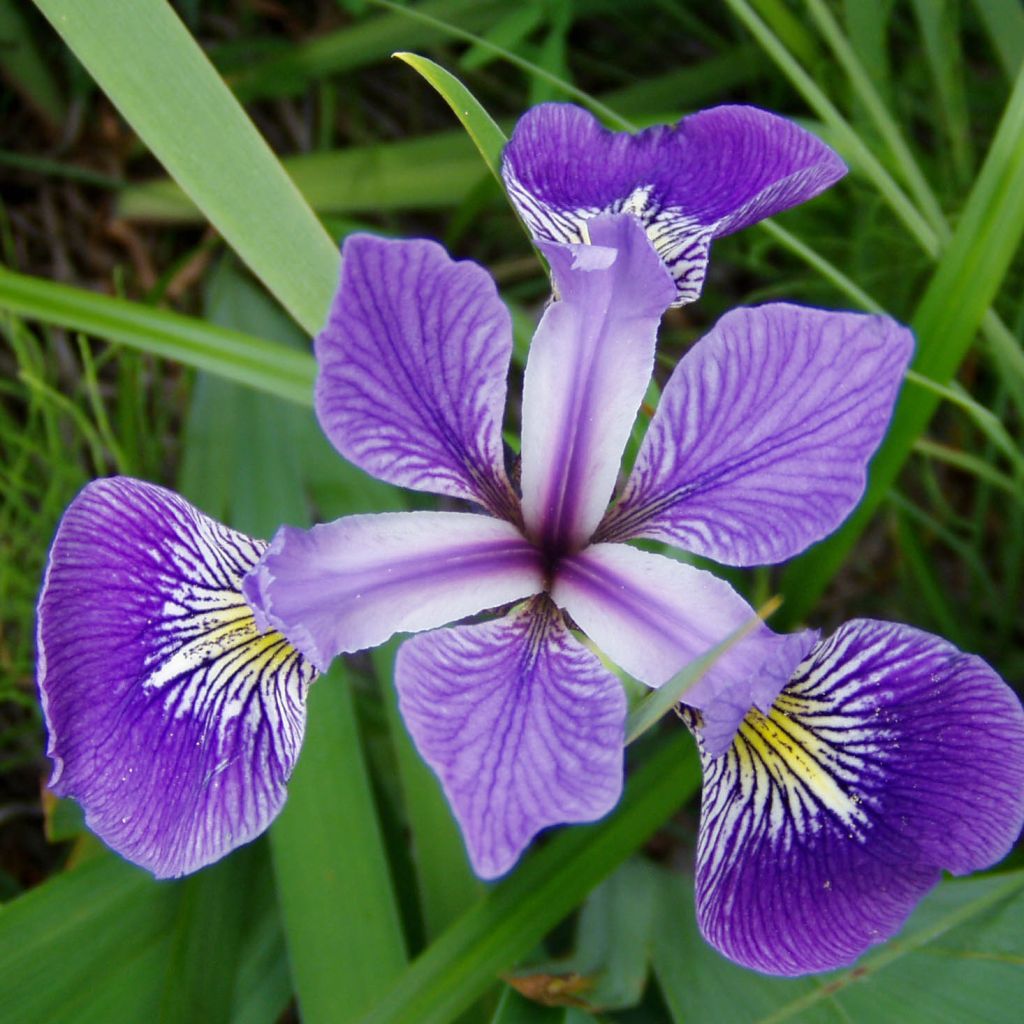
{"points": [[889, 757], [172, 718]]}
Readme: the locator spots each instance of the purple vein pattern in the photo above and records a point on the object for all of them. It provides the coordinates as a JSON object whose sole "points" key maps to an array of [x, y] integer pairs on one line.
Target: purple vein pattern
{"points": [[521, 722], [414, 392], [747, 460], [171, 717], [713, 173], [889, 757]]}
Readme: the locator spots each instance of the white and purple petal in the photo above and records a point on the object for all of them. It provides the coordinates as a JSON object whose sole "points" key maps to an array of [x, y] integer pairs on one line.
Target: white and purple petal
{"points": [[522, 724], [588, 369], [711, 174], [761, 440], [653, 615], [412, 370], [173, 720], [348, 585], [890, 757]]}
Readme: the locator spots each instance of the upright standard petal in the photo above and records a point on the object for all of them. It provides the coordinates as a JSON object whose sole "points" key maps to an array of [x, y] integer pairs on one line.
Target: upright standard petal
{"points": [[522, 724], [172, 718], [413, 365], [889, 757], [653, 615], [588, 368], [711, 174], [761, 441], [351, 584]]}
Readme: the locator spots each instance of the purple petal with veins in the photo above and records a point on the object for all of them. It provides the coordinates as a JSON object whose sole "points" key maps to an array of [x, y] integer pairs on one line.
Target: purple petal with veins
{"points": [[413, 363], [711, 174], [523, 725], [888, 758], [587, 372], [172, 718], [351, 584], [761, 440]]}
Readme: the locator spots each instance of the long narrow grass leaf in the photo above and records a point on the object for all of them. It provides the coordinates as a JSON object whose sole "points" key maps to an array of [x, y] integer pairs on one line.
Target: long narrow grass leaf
{"points": [[431, 172], [1004, 22], [488, 138], [227, 353], [143, 57], [67, 935]]}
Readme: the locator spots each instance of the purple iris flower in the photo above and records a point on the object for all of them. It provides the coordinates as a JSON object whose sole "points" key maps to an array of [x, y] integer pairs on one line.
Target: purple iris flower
{"points": [[841, 776]]}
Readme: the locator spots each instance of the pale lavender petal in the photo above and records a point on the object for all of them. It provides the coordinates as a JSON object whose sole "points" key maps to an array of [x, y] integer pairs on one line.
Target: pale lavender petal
{"points": [[351, 584], [522, 724], [588, 368], [172, 718], [762, 437], [653, 615], [711, 174], [413, 364], [890, 757]]}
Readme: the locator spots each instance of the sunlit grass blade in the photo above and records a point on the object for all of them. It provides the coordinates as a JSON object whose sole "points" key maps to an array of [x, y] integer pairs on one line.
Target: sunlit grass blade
{"points": [[844, 137], [662, 700], [227, 353], [532, 69], [514, 915], [155, 73], [869, 95], [950, 313], [487, 135]]}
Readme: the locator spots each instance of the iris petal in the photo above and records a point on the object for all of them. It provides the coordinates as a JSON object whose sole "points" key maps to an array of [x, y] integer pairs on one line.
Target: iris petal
{"points": [[413, 364], [761, 440], [589, 366], [172, 718], [522, 724], [889, 757], [711, 174], [349, 585]]}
